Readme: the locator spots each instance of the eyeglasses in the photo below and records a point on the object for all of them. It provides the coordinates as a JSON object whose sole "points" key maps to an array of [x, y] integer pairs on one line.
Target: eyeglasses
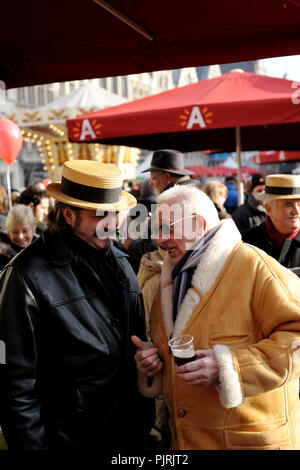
{"points": [[168, 229]]}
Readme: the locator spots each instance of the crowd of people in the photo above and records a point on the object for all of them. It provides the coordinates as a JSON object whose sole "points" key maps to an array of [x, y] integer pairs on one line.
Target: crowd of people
{"points": [[88, 308]]}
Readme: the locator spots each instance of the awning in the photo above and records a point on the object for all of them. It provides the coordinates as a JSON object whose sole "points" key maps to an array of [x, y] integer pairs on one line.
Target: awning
{"points": [[57, 41], [263, 158]]}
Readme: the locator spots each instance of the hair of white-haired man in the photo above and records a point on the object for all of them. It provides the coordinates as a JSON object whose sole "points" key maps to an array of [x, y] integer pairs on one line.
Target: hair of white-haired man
{"points": [[192, 201]]}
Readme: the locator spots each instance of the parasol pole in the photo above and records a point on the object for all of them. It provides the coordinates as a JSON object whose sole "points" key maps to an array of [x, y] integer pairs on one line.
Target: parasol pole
{"points": [[8, 187], [239, 169]]}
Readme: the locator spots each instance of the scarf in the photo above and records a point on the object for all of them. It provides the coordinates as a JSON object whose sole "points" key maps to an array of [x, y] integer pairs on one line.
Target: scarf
{"points": [[183, 271], [277, 237]]}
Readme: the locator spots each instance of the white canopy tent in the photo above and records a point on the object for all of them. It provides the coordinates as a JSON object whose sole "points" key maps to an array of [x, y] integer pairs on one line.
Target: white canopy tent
{"points": [[45, 127]]}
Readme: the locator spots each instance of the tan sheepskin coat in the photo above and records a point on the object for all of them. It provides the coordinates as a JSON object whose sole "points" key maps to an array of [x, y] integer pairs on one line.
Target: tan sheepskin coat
{"points": [[245, 306]]}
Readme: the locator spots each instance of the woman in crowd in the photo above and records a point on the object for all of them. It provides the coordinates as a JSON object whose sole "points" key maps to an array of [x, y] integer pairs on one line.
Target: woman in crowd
{"points": [[217, 192], [20, 230]]}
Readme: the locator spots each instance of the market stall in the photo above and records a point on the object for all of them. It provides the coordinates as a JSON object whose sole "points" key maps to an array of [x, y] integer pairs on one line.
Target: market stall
{"points": [[45, 129]]}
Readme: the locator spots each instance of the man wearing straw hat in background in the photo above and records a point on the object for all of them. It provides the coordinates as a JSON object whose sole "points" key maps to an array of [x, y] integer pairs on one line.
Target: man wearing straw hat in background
{"points": [[69, 305], [279, 234]]}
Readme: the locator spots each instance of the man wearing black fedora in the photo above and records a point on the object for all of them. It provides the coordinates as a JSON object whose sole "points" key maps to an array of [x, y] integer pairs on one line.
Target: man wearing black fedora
{"points": [[167, 170], [279, 234], [69, 305]]}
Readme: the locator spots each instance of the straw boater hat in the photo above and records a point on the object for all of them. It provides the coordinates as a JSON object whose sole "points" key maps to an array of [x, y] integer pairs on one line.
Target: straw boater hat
{"points": [[171, 161], [91, 185], [280, 187]]}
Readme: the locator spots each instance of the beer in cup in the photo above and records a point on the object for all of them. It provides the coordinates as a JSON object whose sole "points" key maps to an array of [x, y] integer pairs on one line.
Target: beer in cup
{"points": [[182, 348]]}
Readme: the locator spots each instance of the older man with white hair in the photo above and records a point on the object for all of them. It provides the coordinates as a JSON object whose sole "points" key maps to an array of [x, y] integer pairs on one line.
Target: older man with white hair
{"points": [[279, 234], [243, 310]]}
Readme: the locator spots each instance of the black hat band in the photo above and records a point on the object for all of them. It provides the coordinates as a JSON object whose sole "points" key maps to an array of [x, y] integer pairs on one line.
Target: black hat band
{"points": [[89, 193], [281, 190]]}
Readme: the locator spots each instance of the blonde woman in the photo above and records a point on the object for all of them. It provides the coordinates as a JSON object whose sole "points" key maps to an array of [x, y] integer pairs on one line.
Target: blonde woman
{"points": [[20, 230], [217, 192]]}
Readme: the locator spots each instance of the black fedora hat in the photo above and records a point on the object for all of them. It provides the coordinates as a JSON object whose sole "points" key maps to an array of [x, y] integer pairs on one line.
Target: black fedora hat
{"points": [[171, 161]]}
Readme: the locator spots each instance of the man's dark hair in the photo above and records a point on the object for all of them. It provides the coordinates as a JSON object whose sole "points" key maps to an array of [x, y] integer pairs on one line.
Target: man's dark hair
{"points": [[31, 194], [56, 221]]}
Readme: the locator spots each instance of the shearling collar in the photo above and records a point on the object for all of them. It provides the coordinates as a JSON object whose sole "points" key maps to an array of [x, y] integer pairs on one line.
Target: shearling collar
{"points": [[210, 265]]}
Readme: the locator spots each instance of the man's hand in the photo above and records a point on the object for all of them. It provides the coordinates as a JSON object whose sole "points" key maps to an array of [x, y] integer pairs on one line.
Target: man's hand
{"points": [[147, 358], [203, 371]]}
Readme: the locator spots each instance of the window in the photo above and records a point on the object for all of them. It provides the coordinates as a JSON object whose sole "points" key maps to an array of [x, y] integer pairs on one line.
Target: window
{"points": [[21, 95], [41, 96], [103, 82], [115, 85], [31, 96], [124, 86]]}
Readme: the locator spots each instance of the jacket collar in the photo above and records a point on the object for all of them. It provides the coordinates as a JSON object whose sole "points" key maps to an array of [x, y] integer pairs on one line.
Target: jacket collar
{"points": [[60, 253], [254, 204], [209, 267]]}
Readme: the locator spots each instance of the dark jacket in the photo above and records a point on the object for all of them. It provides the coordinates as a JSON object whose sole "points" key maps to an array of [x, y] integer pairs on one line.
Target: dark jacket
{"points": [[222, 212], [248, 215], [70, 376], [288, 255], [7, 249]]}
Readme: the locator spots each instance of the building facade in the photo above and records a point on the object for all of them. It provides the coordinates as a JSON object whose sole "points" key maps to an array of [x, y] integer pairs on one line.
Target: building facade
{"points": [[29, 165]]}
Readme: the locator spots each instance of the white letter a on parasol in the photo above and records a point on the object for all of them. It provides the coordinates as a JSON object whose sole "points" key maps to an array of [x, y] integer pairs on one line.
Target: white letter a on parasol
{"points": [[195, 118], [87, 129]]}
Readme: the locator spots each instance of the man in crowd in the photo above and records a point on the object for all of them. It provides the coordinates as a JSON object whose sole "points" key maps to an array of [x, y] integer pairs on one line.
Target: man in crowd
{"points": [[167, 170], [68, 307], [279, 234], [39, 201], [243, 310], [252, 212]]}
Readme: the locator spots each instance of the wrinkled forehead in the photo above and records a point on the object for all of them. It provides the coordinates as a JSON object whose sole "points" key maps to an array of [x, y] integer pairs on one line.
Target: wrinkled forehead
{"points": [[172, 211], [284, 201]]}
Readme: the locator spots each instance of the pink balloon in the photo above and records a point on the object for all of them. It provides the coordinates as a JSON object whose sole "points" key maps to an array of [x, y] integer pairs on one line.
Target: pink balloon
{"points": [[10, 140], [47, 181]]}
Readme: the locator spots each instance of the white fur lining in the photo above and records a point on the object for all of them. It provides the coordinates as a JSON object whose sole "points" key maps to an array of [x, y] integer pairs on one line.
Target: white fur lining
{"points": [[230, 393], [212, 261]]}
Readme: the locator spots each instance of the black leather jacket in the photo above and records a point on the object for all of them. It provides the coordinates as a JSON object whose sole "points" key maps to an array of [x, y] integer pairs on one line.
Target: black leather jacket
{"points": [[70, 375]]}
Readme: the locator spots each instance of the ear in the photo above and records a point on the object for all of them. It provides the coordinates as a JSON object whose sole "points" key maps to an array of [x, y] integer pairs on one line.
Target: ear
{"points": [[69, 215], [201, 225], [169, 177], [268, 208]]}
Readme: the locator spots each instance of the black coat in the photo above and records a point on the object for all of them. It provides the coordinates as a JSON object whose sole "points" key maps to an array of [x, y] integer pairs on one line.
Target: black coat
{"points": [[249, 214], [288, 255], [70, 376], [7, 249]]}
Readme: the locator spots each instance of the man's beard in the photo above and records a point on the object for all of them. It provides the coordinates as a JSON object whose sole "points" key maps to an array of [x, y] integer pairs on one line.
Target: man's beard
{"points": [[76, 230]]}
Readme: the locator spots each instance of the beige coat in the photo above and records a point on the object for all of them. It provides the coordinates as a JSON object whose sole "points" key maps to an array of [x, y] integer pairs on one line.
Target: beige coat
{"points": [[148, 277], [245, 306]]}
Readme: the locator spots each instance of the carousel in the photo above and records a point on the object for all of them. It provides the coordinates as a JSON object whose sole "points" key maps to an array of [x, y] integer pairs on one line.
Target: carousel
{"points": [[45, 128]]}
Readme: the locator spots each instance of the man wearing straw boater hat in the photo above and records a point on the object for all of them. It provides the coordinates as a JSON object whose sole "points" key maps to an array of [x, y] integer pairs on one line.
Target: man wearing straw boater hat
{"points": [[279, 234], [69, 305]]}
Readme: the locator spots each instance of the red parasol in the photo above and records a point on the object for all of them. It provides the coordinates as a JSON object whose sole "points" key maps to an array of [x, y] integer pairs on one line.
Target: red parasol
{"points": [[231, 112]]}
